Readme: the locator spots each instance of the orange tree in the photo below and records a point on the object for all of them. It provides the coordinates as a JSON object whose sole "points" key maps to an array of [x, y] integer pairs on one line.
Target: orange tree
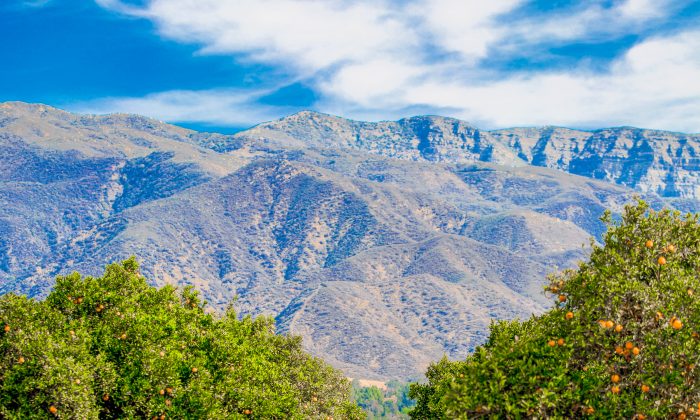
{"points": [[622, 340], [114, 347]]}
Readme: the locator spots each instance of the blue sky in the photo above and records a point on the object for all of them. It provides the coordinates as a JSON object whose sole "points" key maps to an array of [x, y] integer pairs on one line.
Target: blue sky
{"points": [[225, 65]]}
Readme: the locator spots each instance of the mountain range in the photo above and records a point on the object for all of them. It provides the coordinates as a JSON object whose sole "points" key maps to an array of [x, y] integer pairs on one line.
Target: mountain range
{"points": [[383, 244]]}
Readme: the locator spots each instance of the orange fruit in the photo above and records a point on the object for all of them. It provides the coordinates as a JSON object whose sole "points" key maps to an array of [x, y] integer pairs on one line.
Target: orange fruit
{"points": [[659, 315], [167, 402], [247, 412], [618, 327], [618, 350], [671, 248], [7, 328], [562, 298], [591, 410], [649, 243], [53, 409], [123, 336], [690, 292], [162, 354], [682, 416], [569, 315], [194, 370], [161, 392], [641, 417], [162, 417], [645, 388], [629, 345], [80, 300], [635, 351], [609, 324], [661, 261], [169, 390], [105, 397], [560, 341], [615, 378], [615, 389], [677, 324], [20, 360], [551, 343]]}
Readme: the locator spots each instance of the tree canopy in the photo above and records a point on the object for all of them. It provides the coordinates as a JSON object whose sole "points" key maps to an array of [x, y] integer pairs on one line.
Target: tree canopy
{"points": [[622, 340], [115, 347]]}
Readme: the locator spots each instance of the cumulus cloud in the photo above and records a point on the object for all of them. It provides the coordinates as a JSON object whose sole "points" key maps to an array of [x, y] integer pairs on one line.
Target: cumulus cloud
{"points": [[372, 58]]}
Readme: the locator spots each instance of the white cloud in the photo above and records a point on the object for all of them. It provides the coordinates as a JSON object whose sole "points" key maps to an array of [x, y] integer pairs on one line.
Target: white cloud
{"points": [[374, 57], [221, 107]]}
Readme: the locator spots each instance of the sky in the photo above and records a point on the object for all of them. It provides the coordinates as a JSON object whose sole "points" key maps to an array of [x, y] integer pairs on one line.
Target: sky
{"points": [[225, 65]]}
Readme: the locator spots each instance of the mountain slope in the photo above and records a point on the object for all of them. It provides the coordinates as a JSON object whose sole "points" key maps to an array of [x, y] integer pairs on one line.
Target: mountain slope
{"points": [[382, 254]]}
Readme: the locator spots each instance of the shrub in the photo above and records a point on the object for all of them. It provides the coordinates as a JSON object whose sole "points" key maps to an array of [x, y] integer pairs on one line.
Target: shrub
{"points": [[114, 347], [622, 340]]}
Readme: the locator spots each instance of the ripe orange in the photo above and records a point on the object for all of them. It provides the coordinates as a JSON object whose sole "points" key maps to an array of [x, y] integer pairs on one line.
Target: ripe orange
{"points": [[169, 390], [682, 416], [194, 370], [162, 417], [53, 409], [560, 341], [591, 410], [80, 300], [671, 248], [618, 327], [677, 324], [619, 350], [562, 298], [7, 328], [609, 324], [167, 402], [690, 292], [161, 392], [123, 336], [629, 345], [635, 351], [569, 315], [162, 354], [551, 343], [20, 360], [247, 412], [105, 397], [615, 389], [615, 378], [661, 261], [649, 243], [659, 315], [641, 417], [645, 388]]}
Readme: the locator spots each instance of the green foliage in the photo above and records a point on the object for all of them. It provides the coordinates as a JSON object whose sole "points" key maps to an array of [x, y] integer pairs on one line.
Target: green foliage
{"points": [[114, 347], [392, 402], [611, 346]]}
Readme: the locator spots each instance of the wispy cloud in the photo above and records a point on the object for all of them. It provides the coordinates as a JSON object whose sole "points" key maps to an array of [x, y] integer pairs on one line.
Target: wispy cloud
{"points": [[218, 106], [373, 58]]}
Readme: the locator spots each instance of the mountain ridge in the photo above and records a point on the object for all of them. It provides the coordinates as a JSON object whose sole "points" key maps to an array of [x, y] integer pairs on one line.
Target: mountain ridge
{"points": [[382, 259]]}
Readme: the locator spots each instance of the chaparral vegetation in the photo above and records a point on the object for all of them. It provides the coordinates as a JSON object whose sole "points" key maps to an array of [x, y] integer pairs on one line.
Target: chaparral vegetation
{"points": [[115, 347], [623, 340]]}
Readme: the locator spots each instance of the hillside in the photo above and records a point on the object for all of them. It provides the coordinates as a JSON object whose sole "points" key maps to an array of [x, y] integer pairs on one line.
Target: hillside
{"points": [[385, 245]]}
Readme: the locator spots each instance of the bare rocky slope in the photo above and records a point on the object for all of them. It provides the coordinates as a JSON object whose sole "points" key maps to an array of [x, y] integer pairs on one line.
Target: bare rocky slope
{"points": [[385, 245]]}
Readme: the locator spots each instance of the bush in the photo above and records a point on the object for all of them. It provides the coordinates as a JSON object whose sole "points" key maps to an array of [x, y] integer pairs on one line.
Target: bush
{"points": [[621, 342], [114, 347]]}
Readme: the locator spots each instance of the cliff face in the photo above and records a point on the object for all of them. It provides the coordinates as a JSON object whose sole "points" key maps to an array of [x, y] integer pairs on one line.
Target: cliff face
{"points": [[654, 161], [385, 245]]}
